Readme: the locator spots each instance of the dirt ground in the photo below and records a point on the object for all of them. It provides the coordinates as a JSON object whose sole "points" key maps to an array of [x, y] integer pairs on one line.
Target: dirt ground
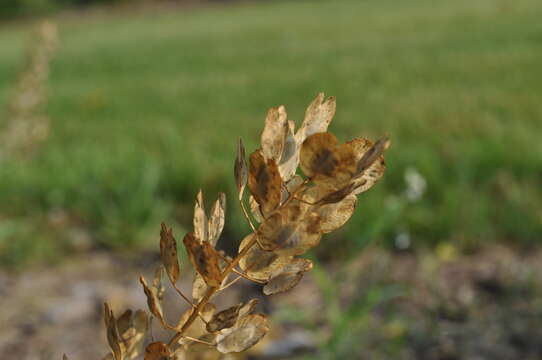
{"points": [[483, 306]]}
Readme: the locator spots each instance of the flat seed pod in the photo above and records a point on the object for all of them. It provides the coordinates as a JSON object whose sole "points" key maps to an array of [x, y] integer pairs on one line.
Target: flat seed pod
{"points": [[240, 170], [289, 159], [288, 276], [204, 258], [246, 333], [288, 238], [318, 115], [152, 301], [224, 319], [264, 182], [200, 218], [282, 282], [274, 133], [168, 254], [113, 336], [329, 165], [217, 218], [373, 154], [257, 263], [370, 162], [333, 216], [157, 351]]}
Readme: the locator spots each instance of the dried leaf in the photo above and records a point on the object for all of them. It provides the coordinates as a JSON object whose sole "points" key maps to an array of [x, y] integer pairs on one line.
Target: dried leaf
{"points": [[168, 254], [246, 333], [204, 258], [318, 115], [224, 319], [289, 159], [240, 169], [217, 219], [152, 300], [264, 182], [333, 216], [157, 351], [200, 218], [274, 133], [113, 337]]}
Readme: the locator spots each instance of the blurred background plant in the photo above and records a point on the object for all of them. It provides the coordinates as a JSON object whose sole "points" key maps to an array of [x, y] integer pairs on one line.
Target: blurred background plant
{"points": [[142, 105]]}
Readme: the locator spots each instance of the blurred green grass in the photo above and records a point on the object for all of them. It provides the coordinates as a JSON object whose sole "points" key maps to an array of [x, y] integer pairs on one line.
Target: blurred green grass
{"points": [[147, 108]]}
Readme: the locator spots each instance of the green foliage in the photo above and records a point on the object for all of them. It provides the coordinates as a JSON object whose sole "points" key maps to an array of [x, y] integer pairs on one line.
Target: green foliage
{"points": [[142, 110]]}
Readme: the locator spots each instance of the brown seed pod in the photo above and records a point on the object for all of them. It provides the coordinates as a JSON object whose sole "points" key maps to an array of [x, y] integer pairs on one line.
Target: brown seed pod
{"points": [[168, 254], [217, 219], [204, 258], [264, 182], [274, 133], [153, 301], [245, 334], [240, 170], [224, 319]]}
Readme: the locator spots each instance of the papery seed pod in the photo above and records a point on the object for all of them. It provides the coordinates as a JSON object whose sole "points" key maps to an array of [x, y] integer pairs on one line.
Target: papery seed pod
{"points": [[217, 219], [318, 116], [274, 133], [286, 236], [153, 301], [329, 165], [288, 276], [224, 319], [168, 254], [289, 160], [113, 337], [335, 215], [204, 258], [264, 182], [245, 334], [200, 218], [259, 264], [240, 169]]}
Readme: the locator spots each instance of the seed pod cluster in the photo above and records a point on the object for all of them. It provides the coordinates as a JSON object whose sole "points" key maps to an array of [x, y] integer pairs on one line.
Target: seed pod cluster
{"points": [[288, 212]]}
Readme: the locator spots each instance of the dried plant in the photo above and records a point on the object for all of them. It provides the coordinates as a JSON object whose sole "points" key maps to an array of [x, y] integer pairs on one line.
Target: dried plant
{"points": [[288, 215], [27, 126]]}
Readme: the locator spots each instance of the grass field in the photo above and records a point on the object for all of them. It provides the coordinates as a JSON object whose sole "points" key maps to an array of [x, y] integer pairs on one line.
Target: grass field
{"points": [[147, 108]]}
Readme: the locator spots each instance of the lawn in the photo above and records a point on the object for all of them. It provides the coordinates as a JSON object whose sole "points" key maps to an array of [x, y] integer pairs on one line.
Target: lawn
{"points": [[147, 108]]}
